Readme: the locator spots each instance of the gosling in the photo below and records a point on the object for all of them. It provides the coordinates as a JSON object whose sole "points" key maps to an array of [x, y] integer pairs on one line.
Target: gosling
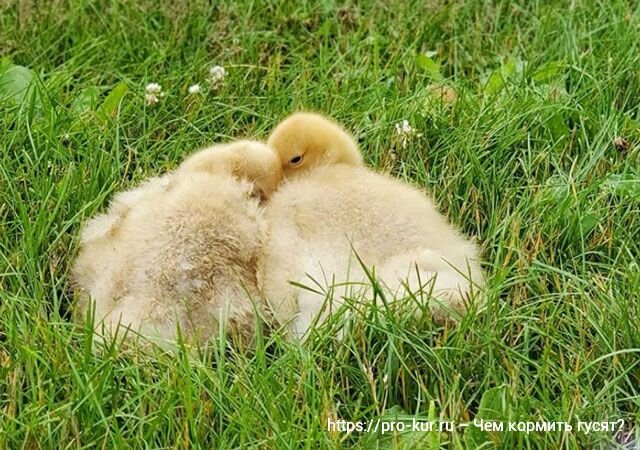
{"points": [[180, 253], [330, 207]]}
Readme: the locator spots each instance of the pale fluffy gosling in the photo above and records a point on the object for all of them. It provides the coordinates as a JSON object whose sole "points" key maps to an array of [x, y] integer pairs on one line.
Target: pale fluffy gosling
{"points": [[181, 251], [332, 202]]}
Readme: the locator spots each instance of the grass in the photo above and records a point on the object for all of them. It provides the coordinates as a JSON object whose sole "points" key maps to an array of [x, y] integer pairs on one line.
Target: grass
{"points": [[538, 157]]}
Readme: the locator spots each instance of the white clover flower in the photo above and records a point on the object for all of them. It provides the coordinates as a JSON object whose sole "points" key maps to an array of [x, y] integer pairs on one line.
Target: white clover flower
{"points": [[217, 74], [154, 88], [405, 132], [154, 92], [195, 89], [403, 128]]}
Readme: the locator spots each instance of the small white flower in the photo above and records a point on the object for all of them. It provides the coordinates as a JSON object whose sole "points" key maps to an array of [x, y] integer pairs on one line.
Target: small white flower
{"points": [[217, 73], [154, 88], [195, 89], [216, 76], [154, 92], [403, 128], [406, 132]]}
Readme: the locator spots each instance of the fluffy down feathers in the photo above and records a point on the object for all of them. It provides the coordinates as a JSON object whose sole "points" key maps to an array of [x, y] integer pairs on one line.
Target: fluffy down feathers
{"points": [[182, 250], [317, 217]]}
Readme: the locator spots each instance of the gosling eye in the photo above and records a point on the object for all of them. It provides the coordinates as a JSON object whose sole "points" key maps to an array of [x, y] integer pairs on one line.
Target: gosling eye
{"points": [[296, 160]]}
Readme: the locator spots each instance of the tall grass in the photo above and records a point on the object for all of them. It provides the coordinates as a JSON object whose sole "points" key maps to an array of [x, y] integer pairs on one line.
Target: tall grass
{"points": [[537, 157]]}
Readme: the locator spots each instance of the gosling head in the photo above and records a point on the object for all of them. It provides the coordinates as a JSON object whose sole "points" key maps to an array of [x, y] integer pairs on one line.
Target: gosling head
{"points": [[304, 141], [248, 160]]}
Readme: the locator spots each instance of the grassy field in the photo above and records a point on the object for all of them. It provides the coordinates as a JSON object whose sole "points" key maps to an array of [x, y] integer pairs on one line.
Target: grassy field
{"points": [[526, 134]]}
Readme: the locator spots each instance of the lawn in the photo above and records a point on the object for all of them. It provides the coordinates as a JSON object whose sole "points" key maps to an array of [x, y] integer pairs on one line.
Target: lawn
{"points": [[525, 119]]}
